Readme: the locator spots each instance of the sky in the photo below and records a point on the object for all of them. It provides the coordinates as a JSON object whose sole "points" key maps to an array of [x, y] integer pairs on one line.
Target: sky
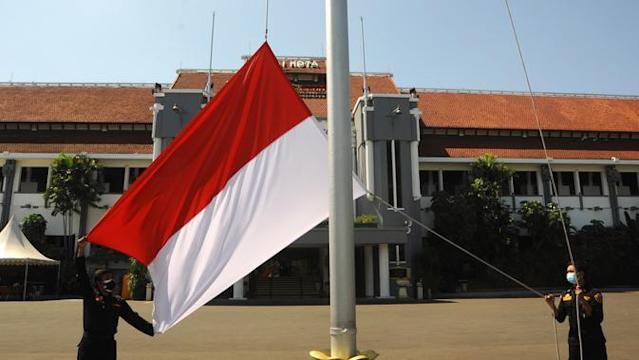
{"points": [[577, 46]]}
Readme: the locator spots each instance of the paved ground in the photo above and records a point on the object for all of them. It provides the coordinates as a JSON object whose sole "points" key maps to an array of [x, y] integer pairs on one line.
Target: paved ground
{"points": [[461, 329]]}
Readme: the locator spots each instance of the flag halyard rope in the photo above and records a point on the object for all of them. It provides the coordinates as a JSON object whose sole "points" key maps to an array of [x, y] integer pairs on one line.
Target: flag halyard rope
{"points": [[552, 178], [380, 200]]}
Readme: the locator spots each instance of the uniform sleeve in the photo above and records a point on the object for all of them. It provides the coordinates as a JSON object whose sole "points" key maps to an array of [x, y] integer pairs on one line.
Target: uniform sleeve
{"points": [[135, 320], [597, 307], [560, 315], [81, 271]]}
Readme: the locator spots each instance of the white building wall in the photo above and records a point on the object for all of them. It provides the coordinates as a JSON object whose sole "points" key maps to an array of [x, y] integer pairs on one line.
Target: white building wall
{"points": [[23, 204], [581, 212]]}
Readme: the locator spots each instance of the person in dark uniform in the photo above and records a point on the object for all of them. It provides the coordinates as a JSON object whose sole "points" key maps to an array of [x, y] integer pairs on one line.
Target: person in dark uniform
{"points": [[590, 315], [101, 311]]}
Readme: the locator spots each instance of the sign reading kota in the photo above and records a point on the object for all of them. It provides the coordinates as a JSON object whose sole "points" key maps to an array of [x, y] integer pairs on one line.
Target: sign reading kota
{"points": [[300, 64]]}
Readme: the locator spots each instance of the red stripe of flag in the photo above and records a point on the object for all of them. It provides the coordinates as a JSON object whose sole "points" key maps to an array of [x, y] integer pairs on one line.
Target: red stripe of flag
{"points": [[241, 120]]}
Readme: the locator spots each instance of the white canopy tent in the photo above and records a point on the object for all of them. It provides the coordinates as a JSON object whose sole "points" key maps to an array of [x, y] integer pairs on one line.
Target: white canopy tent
{"points": [[15, 249]]}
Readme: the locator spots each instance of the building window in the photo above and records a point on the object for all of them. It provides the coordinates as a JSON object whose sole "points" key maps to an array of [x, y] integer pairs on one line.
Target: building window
{"points": [[628, 184], [394, 173], [454, 181], [112, 180], [430, 182], [396, 254], [590, 183], [525, 183], [565, 182], [33, 179], [135, 173]]}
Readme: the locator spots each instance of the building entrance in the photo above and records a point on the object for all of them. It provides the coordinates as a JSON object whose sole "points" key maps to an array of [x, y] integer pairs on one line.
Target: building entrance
{"points": [[293, 273]]}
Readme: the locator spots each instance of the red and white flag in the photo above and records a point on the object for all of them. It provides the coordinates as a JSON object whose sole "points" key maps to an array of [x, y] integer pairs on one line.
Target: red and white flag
{"points": [[245, 178]]}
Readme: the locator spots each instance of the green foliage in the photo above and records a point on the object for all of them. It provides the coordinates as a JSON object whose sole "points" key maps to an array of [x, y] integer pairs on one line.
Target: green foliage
{"points": [[34, 227], [543, 253], [138, 274], [366, 219], [610, 252], [632, 226], [494, 176], [74, 183], [476, 219], [543, 223], [74, 187]]}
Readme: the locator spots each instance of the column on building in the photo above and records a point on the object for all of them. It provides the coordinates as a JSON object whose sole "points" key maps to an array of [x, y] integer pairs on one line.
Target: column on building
{"points": [[323, 258], [238, 290], [369, 271], [384, 272]]}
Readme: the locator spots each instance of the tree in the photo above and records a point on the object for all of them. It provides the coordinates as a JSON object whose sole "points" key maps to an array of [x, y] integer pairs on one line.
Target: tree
{"points": [[74, 187], [632, 226], [477, 219], [34, 227], [138, 275], [545, 254], [543, 224]]}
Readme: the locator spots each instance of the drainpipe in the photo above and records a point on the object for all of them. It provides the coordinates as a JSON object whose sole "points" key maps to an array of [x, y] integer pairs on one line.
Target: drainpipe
{"points": [[414, 156], [545, 175], [369, 147], [612, 175], [9, 172]]}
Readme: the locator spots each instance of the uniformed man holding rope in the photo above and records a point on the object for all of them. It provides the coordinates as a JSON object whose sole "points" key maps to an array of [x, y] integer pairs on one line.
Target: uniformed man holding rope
{"points": [[101, 310], [590, 315]]}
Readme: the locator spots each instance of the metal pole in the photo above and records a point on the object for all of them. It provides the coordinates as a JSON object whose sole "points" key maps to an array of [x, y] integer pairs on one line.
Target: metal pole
{"points": [[58, 284], [208, 81], [365, 80], [341, 243], [24, 288]]}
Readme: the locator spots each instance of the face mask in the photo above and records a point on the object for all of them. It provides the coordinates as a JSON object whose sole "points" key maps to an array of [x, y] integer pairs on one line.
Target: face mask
{"points": [[108, 285], [571, 277]]}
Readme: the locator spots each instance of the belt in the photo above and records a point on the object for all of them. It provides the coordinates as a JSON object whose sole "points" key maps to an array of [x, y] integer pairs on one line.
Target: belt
{"points": [[95, 336]]}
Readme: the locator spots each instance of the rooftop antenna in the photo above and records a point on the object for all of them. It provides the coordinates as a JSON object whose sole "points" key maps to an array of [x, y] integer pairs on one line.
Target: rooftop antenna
{"points": [[208, 81], [361, 19], [266, 23]]}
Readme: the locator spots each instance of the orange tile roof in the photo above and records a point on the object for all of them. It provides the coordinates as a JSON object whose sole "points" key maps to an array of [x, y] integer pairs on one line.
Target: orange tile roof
{"points": [[86, 104], [513, 111], [197, 80], [77, 148], [378, 83], [530, 148]]}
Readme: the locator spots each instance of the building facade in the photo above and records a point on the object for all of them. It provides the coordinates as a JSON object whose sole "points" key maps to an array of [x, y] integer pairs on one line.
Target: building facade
{"points": [[407, 144]]}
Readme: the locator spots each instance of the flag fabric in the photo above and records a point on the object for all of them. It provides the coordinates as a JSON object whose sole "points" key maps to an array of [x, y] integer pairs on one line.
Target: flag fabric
{"points": [[244, 179]]}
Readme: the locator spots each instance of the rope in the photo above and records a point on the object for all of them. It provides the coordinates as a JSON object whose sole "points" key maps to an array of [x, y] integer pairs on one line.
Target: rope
{"points": [[467, 252], [266, 23], [554, 325], [552, 178], [452, 243]]}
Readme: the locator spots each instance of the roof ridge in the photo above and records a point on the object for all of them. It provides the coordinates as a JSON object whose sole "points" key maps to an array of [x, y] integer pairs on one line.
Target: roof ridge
{"points": [[522, 93], [80, 84], [228, 71]]}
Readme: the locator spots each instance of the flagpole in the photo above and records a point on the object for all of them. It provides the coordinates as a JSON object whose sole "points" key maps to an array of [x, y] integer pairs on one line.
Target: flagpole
{"points": [[208, 79], [341, 242]]}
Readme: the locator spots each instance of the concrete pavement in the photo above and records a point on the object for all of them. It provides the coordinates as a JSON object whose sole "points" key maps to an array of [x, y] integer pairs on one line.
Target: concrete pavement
{"points": [[455, 329]]}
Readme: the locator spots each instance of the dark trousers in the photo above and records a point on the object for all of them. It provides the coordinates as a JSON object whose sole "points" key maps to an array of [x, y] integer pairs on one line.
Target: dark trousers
{"points": [[97, 348], [592, 351]]}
